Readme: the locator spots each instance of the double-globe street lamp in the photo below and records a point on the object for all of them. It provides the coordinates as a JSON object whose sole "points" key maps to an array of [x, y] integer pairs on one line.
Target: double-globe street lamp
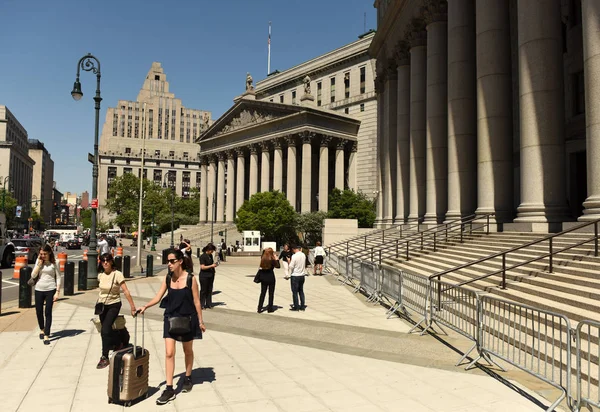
{"points": [[171, 184], [90, 63]]}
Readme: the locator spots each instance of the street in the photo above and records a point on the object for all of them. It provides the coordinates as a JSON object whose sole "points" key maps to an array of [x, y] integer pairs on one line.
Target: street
{"points": [[10, 286]]}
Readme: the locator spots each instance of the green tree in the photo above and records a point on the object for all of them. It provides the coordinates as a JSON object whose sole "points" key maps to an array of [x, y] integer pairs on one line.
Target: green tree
{"points": [[270, 213], [309, 226], [86, 218], [352, 205], [10, 207]]}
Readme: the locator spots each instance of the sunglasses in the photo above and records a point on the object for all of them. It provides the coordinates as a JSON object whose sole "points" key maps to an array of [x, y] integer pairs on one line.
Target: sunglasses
{"points": [[172, 261], [105, 260]]}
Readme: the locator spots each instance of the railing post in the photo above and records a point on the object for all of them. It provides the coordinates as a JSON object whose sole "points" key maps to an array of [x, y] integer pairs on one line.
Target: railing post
{"points": [[462, 226], [421, 241], [348, 248], [550, 247], [383, 236], [503, 271], [400, 230], [439, 288], [407, 257], [434, 243], [372, 251], [596, 239], [380, 257], [446, 230], [365, 242], [471, 227], [488, 224], [397, 248]]}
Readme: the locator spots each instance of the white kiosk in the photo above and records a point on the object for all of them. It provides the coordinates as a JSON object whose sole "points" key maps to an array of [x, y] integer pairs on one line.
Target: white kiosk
{"points": [[251, 240]]}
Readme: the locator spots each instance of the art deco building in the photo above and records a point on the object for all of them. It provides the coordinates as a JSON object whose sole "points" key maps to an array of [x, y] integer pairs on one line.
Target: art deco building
{"points": [[488, 107], [43, 179], [167, 129], [302, 131]]}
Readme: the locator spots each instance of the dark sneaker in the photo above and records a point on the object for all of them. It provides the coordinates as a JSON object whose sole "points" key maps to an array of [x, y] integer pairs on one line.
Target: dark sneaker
{"points": [[167, 395], [103, 363], [187, 384]]}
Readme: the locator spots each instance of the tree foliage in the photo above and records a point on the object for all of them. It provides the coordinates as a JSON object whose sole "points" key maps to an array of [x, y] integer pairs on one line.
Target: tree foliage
{"points": [[309, 226], [352, 205], [270, 213], [10, 207]]}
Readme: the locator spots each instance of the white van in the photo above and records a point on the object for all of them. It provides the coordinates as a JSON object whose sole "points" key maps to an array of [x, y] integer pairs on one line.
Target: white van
{"points": [[114, 232]]}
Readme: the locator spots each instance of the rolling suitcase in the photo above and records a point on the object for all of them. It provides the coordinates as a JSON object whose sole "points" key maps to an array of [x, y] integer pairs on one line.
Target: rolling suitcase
{"points": [[128, 372]]}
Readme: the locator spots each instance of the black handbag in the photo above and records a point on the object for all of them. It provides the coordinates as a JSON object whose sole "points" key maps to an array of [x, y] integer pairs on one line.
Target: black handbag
{"points": [[99, 308], [257, 277], [180, 325]]}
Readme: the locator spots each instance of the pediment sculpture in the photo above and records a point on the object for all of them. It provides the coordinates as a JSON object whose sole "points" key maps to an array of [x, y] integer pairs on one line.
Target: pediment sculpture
{"points": [[247, 117]]}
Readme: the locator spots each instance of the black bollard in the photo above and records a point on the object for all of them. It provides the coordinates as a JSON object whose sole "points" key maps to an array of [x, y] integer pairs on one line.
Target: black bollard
{"points": [[24, 288], [165, 254], [127, 266], [149, 265], [197, 252], [119, 262], [82, 276], [69, 278]]}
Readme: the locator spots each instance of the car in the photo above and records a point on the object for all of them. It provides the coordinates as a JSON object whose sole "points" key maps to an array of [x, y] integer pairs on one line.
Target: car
{"points": [[30, 248], [73, 244]]}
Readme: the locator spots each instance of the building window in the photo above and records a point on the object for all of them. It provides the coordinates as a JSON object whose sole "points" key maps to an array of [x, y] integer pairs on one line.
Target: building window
{"points": [[319, 92], [198, 180], [271, 100], [156, 77], [185, 188], [185, 155], [112, 160], [115, 123], [171, 153], [578, 93], [150, 123], [346, 110], [127, 161], [362, 107], [346, 85], [157, 153], [172, 164], [128, 150], [145, 173], [281, 98], [157, 177], [293, 96], [112, 175], [158, 163], [363, 77], [332, 90], [127, 170]]}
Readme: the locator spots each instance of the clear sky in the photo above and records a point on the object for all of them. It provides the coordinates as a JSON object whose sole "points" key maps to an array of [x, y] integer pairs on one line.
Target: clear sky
{"points": [[205, 47]]}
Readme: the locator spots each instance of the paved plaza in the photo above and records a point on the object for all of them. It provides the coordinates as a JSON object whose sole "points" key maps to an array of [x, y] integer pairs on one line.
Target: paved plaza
{"points": [[341, 354]]}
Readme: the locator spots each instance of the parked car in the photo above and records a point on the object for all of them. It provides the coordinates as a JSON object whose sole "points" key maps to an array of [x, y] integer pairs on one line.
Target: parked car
{"points": [[29, 248], [73, 244]]}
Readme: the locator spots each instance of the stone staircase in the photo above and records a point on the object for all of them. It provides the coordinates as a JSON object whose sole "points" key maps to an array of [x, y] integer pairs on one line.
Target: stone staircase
{"points": [[199, 235]]}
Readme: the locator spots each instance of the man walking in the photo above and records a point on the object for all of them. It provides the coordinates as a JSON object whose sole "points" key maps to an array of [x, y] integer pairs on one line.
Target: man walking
{"points": [[103, 245], [296, 268]]}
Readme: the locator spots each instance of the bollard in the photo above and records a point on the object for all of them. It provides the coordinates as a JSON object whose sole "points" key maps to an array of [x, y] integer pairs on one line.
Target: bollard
{"points": [[165, 254], [69, 279], [149, 265], [197, 252], [127, 266], [24, 288], [82, 276], [119, 262]]}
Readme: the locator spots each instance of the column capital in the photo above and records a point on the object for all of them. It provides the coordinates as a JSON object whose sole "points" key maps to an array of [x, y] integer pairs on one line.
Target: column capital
{"points": [[379, 84], [340, 144], [435, 11], [416, 33], [325, 141], [240, 152], [212, 158], [254, 149], [264, 146], [277, 143], [290, 140], [222, 156], [231, 154], [353, 146], [204, 160], [307, 136], [402, 53]]}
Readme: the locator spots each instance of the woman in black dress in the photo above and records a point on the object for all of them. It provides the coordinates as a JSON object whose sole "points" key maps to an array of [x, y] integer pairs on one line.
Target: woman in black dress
{"points": [[268, 262], [182, 301], [207, 275]]}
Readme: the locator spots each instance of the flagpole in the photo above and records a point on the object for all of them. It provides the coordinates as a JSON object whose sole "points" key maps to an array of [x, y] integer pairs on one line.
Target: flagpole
{"points": [[269, 52]]}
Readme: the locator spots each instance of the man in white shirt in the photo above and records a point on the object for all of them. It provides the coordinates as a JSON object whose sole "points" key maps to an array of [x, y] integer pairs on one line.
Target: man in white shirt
{"points": [[296, 268], [103, 245]]}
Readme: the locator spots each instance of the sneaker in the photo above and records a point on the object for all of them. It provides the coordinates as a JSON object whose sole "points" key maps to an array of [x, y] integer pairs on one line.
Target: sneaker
{"points": [[187, 384], [46, 340], [103, 363], [167, 395]]}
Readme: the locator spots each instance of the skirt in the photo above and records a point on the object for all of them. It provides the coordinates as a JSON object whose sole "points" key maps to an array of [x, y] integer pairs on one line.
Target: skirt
{"points": [[195, 333], [319, 260]]}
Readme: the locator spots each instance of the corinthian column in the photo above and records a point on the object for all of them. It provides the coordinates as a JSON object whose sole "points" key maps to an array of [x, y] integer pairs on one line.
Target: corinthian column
{"points": [[241, 181], [291, 171], [339, 164], [203, 188], [591, 72], [402, 152], [389, 149], [277, 165], [378, 194], [542, 106], [253, 170], [212, 169], [230, 199], [324, 173], [265, 167], [306, 177], [353, 148], [221, 188]]}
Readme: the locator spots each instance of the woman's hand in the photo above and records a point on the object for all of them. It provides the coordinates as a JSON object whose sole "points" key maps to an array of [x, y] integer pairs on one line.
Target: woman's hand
{"points": [[202, 327], [133, 311], [55, 298], [140, 310]]}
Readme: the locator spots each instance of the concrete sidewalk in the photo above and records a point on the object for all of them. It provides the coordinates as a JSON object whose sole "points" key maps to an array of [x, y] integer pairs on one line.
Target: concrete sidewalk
{"points": [[341, 354]]}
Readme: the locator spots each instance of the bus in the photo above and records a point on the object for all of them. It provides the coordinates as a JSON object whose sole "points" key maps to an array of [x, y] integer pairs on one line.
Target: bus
{"points": [[116, 232], [62, 233]]}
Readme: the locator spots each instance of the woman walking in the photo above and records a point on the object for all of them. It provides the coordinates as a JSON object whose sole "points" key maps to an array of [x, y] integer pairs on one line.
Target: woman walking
{"points": [[181, 304], [207, 275], [47, 289], [111, 283], [268, 262], [319, 257]]}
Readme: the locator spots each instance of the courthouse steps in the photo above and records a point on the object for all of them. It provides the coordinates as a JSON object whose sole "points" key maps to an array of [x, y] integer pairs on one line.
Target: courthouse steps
{"points": [[199, 235]]}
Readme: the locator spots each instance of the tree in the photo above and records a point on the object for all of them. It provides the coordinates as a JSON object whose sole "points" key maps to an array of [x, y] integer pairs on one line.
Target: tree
{"points": [[351, 205], [309, 226], [85, 215], [10, 206], [270, 213]]}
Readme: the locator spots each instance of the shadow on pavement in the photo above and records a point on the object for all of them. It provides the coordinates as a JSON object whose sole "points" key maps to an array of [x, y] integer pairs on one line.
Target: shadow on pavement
{"points": [[199, 376], [66, 333], [12, 312]]}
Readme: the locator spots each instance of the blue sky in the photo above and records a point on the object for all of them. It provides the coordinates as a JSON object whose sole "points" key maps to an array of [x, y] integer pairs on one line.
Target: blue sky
{"points": [[206, 48]]}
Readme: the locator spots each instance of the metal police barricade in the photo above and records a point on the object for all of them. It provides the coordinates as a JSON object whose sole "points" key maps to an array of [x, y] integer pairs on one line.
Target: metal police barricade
{"points": [[588, 364], [534, 340], [369, 281], [415, 297], [82, 275], [24, 288], [354, 273], [391, 288]]}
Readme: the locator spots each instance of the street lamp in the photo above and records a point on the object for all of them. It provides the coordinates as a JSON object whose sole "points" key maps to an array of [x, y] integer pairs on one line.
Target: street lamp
{"points": [[212, 220], [90, 63], [7, 178], [153, 247], [172, 186]]}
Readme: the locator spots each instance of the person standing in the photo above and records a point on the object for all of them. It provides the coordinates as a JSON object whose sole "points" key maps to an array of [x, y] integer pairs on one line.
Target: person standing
{"points": [[223, 250], [297, 267], [47, 289], [182, 301], [284, 256], [207, 275], [111, 283], [268, 262], [319, 253], [103, 245], [186, 248]]}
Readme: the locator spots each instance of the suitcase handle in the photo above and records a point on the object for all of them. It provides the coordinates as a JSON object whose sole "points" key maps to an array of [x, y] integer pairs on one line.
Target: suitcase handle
{"points": [[135, 334]]}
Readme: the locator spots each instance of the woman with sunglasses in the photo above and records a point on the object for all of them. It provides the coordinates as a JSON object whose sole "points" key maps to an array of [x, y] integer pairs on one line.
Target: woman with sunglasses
{"points": [[111, 283], [47, 289], [183, 300]]}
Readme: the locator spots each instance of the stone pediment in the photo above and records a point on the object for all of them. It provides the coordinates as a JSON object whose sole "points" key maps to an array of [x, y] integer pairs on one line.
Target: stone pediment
{"points": [[246, 118]]}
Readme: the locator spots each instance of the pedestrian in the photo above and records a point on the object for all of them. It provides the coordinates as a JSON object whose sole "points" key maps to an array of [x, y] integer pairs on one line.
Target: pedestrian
{"points": [[47, 278], [297, 266], [207, 275], [103, 247], [111, 283], [181, 303], [186, 248], [223, 250], [266, 275], [319, 253], [283, 256]]}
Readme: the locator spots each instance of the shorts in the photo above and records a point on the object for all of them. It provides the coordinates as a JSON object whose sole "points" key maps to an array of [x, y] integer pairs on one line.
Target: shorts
{"points": [[319, 260]]}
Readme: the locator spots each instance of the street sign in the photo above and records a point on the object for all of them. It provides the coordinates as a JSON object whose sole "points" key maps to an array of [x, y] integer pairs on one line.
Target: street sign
{"points": [[18, 213], [94, 204]]}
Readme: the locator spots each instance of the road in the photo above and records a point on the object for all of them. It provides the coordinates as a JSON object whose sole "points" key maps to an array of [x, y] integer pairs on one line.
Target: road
{"points": [[10, 286]]}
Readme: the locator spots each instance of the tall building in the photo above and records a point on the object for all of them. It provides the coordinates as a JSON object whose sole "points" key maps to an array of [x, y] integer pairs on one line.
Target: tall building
{"points": [[43, 178], [303, 131], [158, 121], [488, 107], [85, 200], [16, 167]]}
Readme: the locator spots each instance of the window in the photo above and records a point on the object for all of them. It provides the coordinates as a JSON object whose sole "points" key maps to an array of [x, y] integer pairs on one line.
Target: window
{"points": [[127, 161], [319, 90], [363, 76], [362, 107], [127, 170], [346, 110], [578, 93], [157, 177], [198, 180], [112, 175], [150, 123], [281, 98], [157, 153], [346, 85], [171, 153], [172, 164], [332, 89], [112, 160], [185, 182], [185, 155], [271, 100], [128, 150], [158, 163], [293, 96]]}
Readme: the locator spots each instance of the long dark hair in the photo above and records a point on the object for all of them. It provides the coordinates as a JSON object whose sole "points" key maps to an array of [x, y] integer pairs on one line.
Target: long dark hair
{"points": [[179, 256], [50, 252], [109, 257], [208, 247]]}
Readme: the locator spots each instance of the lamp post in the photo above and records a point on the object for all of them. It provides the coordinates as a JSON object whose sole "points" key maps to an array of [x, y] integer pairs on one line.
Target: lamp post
{"points": [[153, 247], [212, 220], [172, 186], [7, 178], [90, 63]]}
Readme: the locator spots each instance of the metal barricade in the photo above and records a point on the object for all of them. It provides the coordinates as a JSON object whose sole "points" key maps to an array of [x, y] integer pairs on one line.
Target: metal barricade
{"points": [[588, 364], [534, 340], [391, 288], [369, 281], [415, 296]]}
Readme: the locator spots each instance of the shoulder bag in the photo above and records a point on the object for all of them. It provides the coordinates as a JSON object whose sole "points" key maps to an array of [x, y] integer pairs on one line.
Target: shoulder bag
{"points": [[99, 308]]}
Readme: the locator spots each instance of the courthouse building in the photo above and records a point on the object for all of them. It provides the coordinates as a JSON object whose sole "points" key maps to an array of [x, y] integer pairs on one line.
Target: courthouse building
{"points": [[302, 131], [488, 106], [158, 121]]}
